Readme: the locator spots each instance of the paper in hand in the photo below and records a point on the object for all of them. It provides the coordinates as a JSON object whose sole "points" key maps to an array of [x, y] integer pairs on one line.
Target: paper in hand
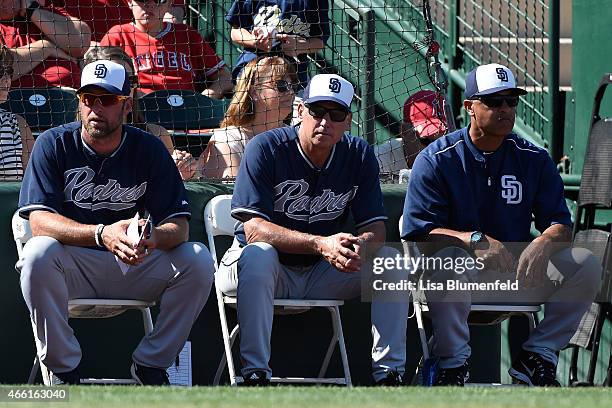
{"points": [[132, 233]]}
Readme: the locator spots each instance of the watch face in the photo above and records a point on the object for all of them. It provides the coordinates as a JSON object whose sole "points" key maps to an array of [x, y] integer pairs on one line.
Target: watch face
{"points": [[475, 238]]}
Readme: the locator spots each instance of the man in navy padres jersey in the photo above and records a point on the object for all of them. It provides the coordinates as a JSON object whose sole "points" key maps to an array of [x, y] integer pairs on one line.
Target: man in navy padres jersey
{"points": [[480, 186], [85, 181], [295, 188]]}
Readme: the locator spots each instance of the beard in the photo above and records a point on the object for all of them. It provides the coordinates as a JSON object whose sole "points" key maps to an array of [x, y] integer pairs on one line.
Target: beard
{"points": [[101, 129]]}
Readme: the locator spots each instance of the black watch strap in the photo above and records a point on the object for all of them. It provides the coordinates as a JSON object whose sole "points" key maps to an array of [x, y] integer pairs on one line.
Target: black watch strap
{"points": [[30, 10]]}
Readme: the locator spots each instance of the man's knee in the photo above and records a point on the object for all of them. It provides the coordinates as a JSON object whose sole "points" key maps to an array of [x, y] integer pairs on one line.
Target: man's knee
{"points": [[589, 268], [38, 258], [199, 268], [258, 261]]}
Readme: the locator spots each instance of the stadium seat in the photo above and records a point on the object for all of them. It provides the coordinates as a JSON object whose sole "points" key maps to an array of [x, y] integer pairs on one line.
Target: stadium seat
{"points": [[43, 108], [480, 314], [183, 110], [219, 222], [81, 308]]}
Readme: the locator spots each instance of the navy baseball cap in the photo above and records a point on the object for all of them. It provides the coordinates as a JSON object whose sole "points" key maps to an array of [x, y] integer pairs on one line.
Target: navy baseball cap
{"points": [[489, 79], [329, 87], [107, 75]]}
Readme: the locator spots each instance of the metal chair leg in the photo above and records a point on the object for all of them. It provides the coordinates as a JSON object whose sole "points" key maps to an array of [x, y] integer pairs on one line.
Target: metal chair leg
{"points": [[226, 358], [573, 368], [147, 320], [34, 370], [532, 321], [418, 313], [331, 347], [337, 321]]}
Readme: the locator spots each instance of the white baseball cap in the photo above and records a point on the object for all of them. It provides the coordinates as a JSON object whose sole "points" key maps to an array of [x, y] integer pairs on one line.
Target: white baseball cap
{"points": [[329, 87], [489, 79], [107, 75]]}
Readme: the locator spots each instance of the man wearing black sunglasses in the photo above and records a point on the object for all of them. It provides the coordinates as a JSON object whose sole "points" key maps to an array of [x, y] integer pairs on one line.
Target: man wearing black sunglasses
{"points": [[85, 182], [473, 192], [294, 191]]}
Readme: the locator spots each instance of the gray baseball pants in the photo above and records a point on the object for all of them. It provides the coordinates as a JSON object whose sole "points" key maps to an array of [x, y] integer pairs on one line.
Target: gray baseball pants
{"points": [[256, 277], [53, 273], [578, 274]]}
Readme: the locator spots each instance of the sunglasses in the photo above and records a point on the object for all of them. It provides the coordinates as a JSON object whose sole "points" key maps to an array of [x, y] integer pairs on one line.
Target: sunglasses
{"points": [[497, 101], [283, 86], [105, 99], [318, 112]]}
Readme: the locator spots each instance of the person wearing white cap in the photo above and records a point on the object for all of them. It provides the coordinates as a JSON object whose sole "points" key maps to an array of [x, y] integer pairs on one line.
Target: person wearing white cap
{"points": [[294, 190], [474, 191], [84, 184]]}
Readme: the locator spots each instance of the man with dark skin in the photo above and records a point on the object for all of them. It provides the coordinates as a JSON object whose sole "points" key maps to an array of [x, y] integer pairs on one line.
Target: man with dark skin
{"points": [[477, 189]]}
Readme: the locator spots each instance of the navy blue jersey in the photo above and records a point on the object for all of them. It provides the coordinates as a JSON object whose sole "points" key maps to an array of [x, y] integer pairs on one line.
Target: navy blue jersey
{"points": [[277, 181], [454, 185], [66, 176], [304, 18]]}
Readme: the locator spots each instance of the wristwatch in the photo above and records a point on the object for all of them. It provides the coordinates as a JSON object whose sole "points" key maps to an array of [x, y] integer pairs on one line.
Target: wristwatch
{"points": [[30, 10], [476, 238]]}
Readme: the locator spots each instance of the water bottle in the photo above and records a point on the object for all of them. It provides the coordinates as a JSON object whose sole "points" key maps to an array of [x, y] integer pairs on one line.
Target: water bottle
{"points": [[430, 370]]}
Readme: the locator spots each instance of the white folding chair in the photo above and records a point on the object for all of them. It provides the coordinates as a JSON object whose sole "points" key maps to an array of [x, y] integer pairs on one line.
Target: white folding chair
{"points": [[501, 311], [218, 221], [81, 308]]}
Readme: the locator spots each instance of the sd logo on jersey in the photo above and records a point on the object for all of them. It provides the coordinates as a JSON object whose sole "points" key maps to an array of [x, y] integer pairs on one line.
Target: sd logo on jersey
{"points": [[512, 189]]}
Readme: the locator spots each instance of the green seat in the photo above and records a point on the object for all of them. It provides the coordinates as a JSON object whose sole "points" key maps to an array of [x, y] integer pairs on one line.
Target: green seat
{"points": [[182, 110], [43, 108]]}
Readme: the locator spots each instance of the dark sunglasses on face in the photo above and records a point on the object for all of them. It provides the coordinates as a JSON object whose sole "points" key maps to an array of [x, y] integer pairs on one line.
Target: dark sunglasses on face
{"points": [[497, 101], [105, 99], [318, 112]]}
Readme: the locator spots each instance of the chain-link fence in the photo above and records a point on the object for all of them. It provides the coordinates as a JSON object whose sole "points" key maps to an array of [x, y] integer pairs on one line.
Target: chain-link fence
{"points": [[386, 49]]}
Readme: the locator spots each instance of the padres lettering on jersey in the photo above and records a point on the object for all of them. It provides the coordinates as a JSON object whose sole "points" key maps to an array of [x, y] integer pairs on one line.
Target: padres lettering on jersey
{"points": [[291, 199], [81, 191]]}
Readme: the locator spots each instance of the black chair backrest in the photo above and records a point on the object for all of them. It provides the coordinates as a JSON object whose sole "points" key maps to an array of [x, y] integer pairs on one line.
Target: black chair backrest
{"points": [[599, 242], [43, 108], [596, 184], [183, 110]]}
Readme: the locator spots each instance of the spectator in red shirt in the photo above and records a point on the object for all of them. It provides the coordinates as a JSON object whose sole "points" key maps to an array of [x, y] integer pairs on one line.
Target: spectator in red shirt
{"points": [[102, 15], [45, 44], [167, 55]]}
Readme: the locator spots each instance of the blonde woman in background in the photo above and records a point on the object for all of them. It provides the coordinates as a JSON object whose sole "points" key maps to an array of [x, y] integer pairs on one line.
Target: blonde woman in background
{"points": [[16, 140], [263, 99], [184, 161]]}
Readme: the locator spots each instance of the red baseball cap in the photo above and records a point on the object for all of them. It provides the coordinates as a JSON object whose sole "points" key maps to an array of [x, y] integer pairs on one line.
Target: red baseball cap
{"points": [[425, 111]]}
